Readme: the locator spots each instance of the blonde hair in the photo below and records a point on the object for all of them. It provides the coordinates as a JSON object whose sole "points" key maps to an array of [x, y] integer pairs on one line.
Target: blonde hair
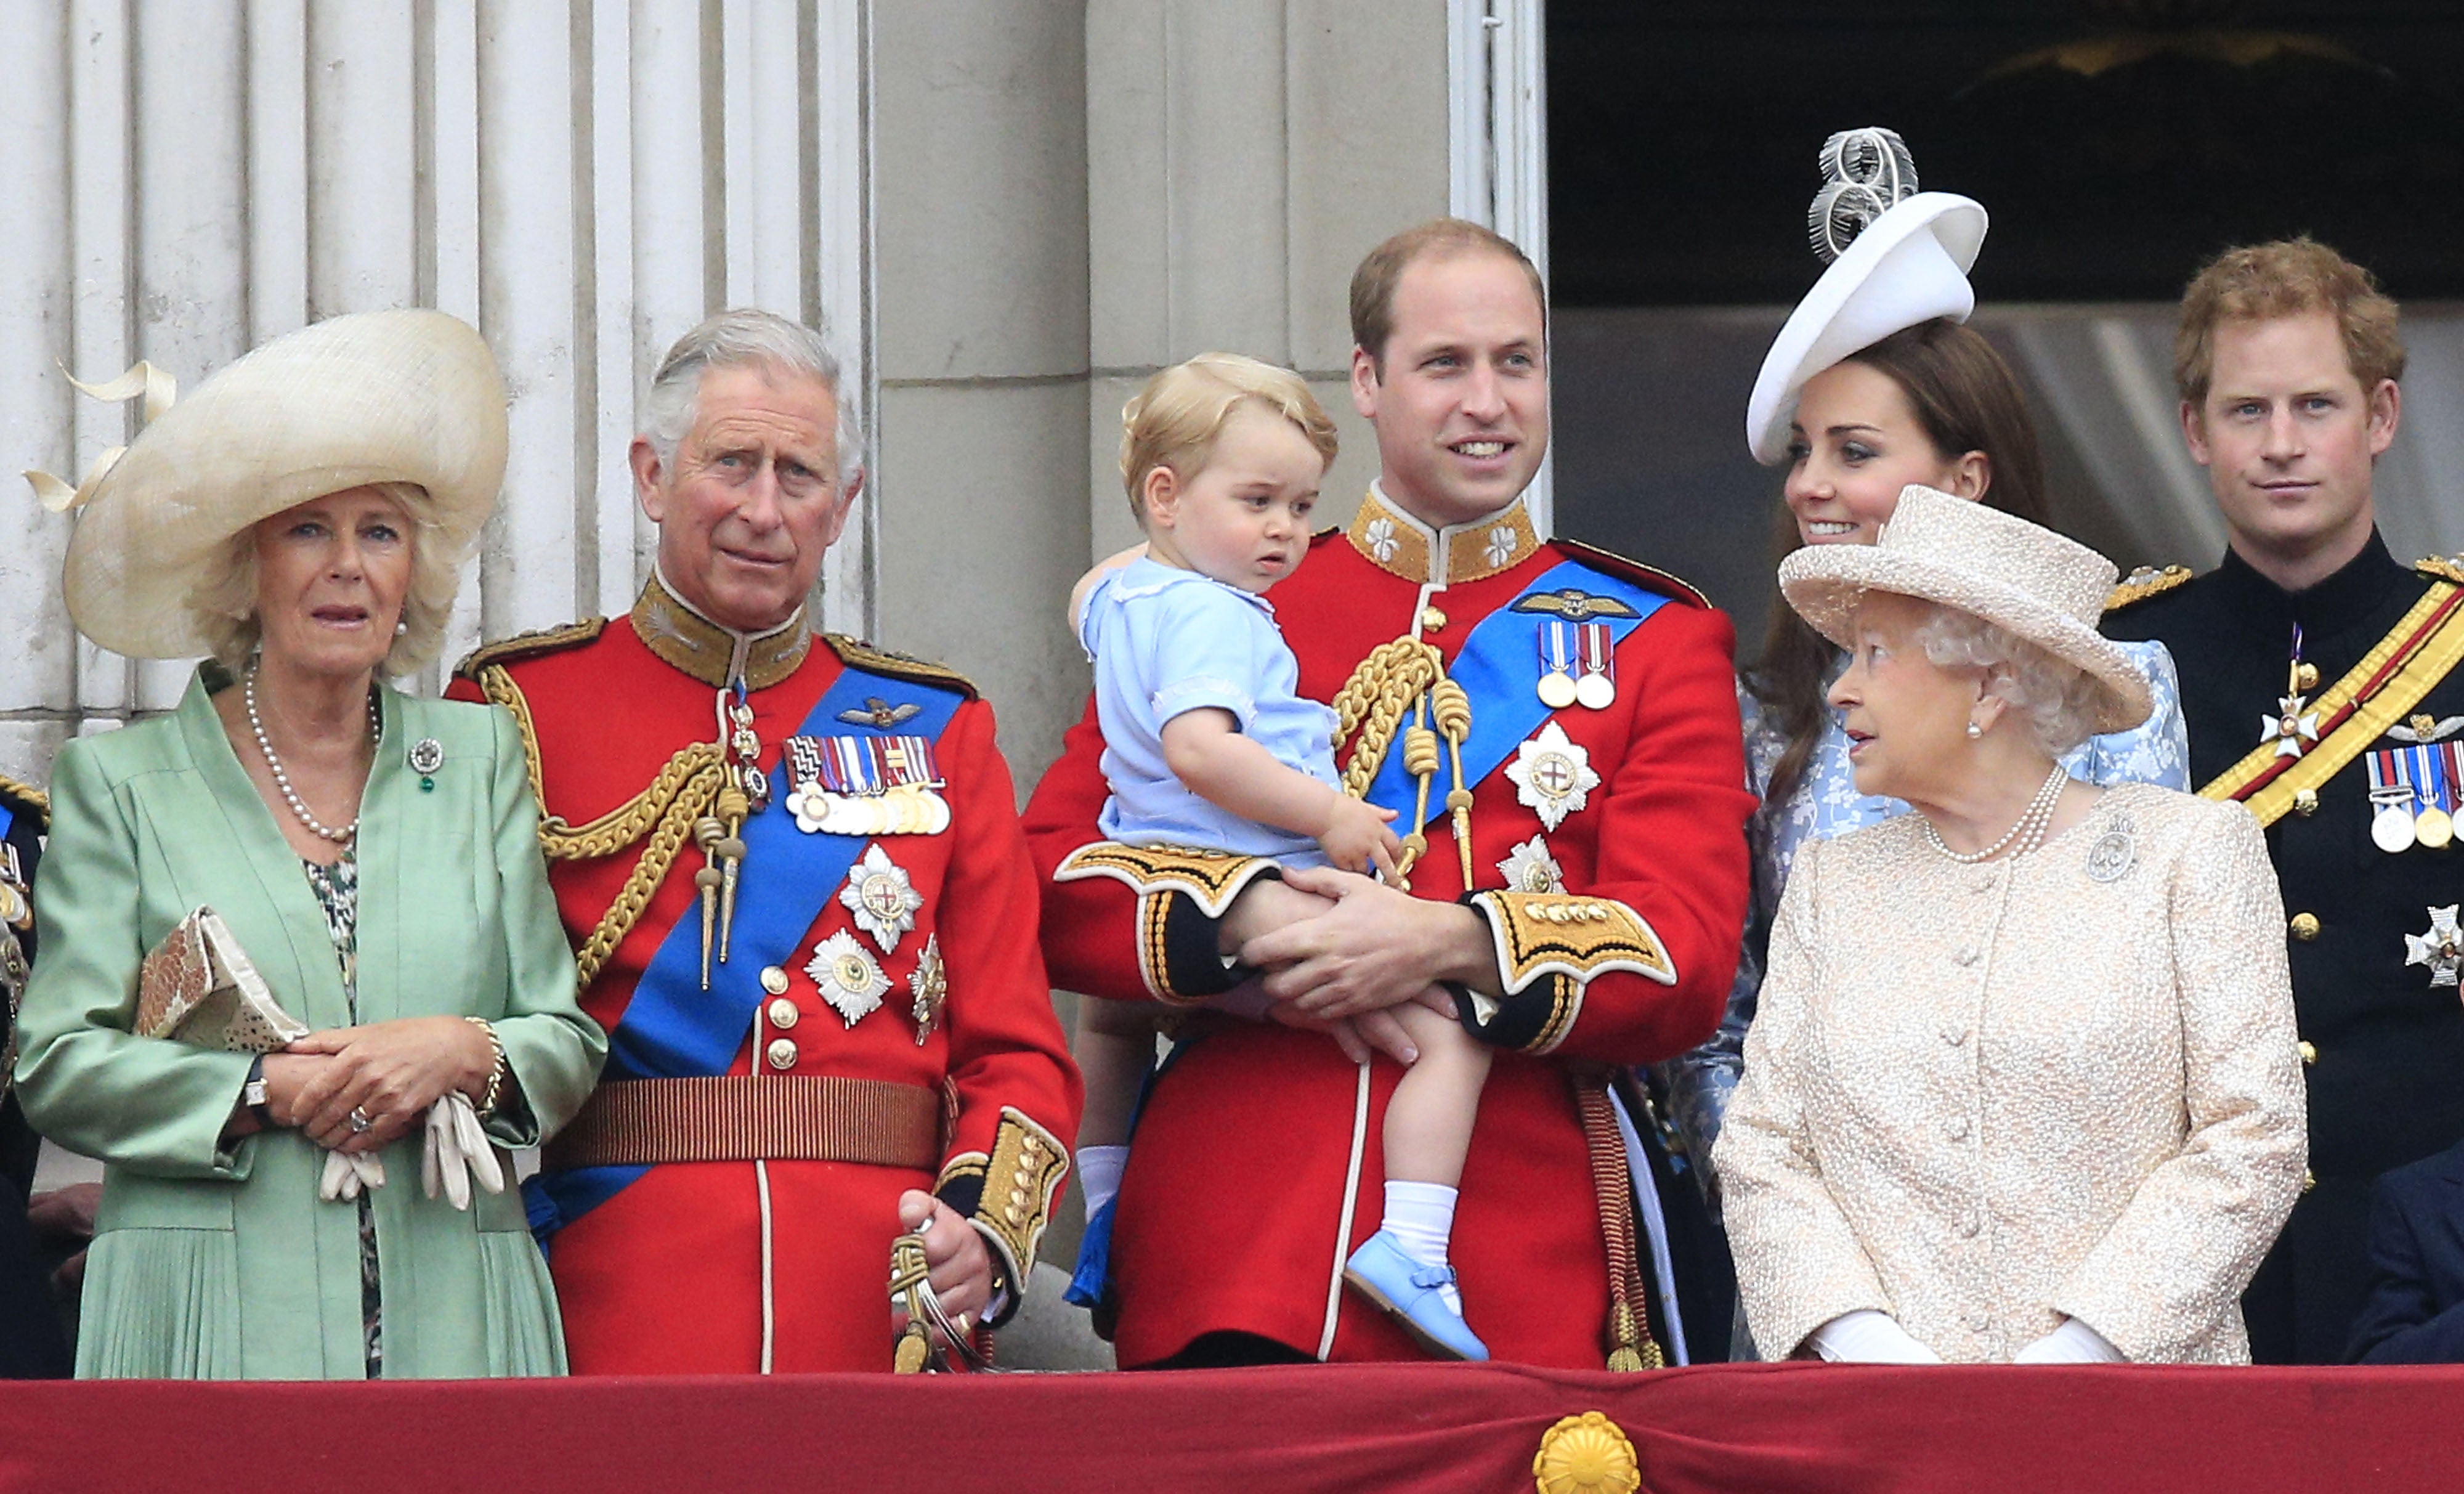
{"points": [[2289, 277], [1174, 421], [224, 603]]}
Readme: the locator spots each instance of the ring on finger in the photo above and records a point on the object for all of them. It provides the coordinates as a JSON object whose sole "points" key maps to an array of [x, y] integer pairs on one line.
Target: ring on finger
{"points": [[360, 1122]]}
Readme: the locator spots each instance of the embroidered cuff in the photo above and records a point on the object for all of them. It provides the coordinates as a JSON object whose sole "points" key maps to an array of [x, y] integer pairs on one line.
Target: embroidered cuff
{"points": [[1532, 1020], [1564, 934], [1008, 1199], [1182, 896]]}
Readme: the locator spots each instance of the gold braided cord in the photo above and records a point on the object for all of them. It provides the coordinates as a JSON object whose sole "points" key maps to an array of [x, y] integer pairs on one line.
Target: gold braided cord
{"points": [[691, 802], [620, 826], [1373, 700], [1408, 676], [683, 792]]}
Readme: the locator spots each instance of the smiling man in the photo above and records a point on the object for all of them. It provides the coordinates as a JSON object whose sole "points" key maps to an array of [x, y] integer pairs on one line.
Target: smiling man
{"points": [[792, 871], [1557, 730], [2318, 681]]}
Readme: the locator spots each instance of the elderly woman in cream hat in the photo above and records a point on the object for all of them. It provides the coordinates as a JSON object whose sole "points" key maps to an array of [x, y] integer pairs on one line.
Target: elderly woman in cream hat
{"points": [[372, 857], [2023, 1086]]}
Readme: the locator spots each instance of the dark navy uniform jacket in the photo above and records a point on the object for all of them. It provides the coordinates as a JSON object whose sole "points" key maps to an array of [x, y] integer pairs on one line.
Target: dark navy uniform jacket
{"points": [[2387, 1081], [2415, 1313], [30, 1335]]}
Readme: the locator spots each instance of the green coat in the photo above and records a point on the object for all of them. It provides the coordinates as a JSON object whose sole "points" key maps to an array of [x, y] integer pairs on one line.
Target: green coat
{"points": [[214, 1263]]}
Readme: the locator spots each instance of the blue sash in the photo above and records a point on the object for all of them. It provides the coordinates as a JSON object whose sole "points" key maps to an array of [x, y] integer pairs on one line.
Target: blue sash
{"points": [[675, 1029], [1499, 667]]}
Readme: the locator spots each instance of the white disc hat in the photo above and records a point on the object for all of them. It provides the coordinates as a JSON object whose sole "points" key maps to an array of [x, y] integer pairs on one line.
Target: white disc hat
{"points": [[384, 396], [1899, 257]]}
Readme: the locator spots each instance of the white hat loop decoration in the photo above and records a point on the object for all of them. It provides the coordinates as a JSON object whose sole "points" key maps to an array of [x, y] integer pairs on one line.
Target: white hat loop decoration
{"points": [[2023, 577], [1899, 257], [410, 396], [160, 390]]}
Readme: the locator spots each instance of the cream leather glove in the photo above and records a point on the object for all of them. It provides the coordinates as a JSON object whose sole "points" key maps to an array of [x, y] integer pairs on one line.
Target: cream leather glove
{"points": [[349, 1173], [457, 1151]]}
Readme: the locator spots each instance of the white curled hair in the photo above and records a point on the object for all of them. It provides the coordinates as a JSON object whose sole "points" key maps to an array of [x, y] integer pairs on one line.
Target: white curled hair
{"points": [[2056, 698], [744, 337]]}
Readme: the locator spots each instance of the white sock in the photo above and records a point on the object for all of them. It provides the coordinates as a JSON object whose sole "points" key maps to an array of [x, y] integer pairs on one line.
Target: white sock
{"points": [[1099, 1174], [1421, 1217]]}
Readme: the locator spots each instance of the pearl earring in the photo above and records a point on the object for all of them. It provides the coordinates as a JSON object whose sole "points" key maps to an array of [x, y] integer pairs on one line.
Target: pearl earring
{"points": [[1974, 731], [401, 629]]}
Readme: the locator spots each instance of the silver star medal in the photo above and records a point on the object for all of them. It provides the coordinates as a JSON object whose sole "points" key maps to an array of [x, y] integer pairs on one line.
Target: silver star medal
{"points": [[931, 985], [1530, 868], [2441, 949], [2294, 731], [883, 901], [1553, 775], [850, 979]]}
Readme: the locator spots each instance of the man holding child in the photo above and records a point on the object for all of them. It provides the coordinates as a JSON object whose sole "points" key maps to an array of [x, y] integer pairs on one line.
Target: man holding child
{"points": [[1556, 730]]}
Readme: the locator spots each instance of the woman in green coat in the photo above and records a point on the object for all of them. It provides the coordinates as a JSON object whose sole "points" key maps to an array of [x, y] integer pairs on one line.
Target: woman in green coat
{"points": [[302, 518]]}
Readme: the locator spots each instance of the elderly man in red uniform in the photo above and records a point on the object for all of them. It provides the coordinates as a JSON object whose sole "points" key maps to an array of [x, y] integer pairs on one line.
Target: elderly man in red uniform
{"points": [[792, 871], [1558, 729]]}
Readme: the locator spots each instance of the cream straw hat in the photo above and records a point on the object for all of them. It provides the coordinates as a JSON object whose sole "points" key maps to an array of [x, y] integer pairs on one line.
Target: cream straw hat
{"points": [[384, 396], [1898, 257], [1997, 566]]}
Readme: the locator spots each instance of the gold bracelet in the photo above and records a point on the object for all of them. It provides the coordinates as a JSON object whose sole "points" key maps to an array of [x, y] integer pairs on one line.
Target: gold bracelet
{"points": [[487, 1106]]}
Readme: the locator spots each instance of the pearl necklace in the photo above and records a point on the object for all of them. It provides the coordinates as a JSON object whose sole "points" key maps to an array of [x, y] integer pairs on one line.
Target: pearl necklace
{"points": [[282, 780], [2028, 832]]}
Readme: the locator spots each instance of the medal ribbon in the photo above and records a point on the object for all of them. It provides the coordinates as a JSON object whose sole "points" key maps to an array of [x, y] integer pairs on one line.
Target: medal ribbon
{"points": [[673, 1029], [1500, 670]]}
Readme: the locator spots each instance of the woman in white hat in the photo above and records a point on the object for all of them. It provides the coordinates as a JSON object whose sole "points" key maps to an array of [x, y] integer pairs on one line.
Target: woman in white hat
{"points": [[2023, 1085], [374, 857], [1876, 382]]}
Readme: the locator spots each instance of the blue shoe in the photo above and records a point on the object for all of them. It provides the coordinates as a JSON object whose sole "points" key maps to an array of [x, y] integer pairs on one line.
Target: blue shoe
{"points": [[1409, 1292]]}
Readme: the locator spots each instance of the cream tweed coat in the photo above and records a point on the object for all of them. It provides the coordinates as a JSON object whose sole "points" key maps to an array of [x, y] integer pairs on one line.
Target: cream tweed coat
{"points": [[1981, 1098]]}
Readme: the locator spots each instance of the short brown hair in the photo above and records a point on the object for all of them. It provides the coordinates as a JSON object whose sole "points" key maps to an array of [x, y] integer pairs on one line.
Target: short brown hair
{"points": [[1373, 283], [2289, 277], [1173, 421]]}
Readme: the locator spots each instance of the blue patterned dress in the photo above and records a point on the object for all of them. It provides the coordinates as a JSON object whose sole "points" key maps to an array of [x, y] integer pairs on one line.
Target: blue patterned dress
{"points": [[1825, 804]]}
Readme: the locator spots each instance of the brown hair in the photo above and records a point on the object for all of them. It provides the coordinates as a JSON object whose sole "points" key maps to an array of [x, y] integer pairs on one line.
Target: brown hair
{"points": [[1373, 283], [1173, 421], [1966, 398], [2289, 277]]}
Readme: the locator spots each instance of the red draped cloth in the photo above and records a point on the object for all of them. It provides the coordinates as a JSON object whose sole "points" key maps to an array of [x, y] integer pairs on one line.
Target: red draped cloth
{"points": [[1428, 1428]]}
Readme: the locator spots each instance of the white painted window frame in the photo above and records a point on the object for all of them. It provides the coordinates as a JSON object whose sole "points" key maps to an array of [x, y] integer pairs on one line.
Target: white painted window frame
{"points": [[1498, 145]]}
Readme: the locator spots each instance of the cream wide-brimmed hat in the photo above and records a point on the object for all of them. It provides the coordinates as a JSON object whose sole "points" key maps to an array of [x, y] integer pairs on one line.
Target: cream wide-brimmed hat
{"points": [[2047, 589], [382, 396], [1898, 257]]}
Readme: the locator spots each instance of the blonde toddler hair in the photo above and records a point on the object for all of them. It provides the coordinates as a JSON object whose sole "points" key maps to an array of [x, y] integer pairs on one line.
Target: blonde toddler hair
{"points": [[1174, 421]]}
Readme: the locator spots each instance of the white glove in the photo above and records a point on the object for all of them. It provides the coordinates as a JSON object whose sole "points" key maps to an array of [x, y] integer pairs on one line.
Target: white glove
{"points": [[457, 1149], [349, 1173], [1866, 1336], [2071, 1343], [1099, 1174]]}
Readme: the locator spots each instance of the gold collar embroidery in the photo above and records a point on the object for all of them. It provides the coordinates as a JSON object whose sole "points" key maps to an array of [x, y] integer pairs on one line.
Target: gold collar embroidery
{"points": [[1402, 545], [713, 654]]}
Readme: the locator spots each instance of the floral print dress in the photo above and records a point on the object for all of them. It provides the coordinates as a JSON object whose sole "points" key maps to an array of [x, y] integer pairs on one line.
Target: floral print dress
{"points": [[338, 892]]}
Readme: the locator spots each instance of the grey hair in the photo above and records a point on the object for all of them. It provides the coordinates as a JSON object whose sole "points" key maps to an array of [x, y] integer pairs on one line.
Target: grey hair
{"points": [[224, 603], [2058, 699], [744, 337]]}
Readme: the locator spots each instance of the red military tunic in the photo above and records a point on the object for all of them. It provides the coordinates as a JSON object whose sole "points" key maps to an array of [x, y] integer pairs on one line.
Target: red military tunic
{"points": [[1244, 1195], [668, 1275]]}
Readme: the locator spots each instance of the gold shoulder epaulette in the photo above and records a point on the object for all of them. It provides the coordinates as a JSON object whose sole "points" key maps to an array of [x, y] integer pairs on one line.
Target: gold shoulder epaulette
{"points": [[1651, 576], [525, 646], [2145, 583], [2444, 568], [31, 797], [881, 661]]}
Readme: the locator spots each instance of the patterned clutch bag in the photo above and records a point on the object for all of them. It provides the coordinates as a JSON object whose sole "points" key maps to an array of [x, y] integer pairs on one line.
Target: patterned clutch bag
{"points": [[198, 987]]}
